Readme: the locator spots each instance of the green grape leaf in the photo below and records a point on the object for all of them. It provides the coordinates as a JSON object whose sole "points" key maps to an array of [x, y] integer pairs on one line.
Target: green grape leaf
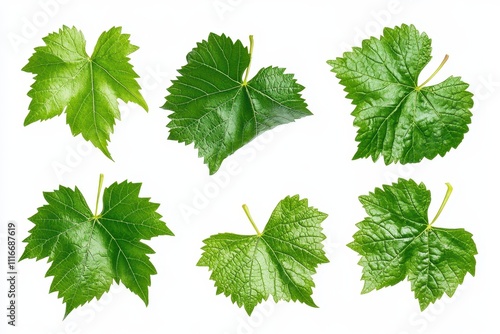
{"points": [[217, 110], [87, 88], [397, 117], [279, 261], [88, 251], [396, 241]]}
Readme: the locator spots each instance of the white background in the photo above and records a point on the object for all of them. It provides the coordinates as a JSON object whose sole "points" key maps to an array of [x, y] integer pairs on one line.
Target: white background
{"points": [[311, 157]]}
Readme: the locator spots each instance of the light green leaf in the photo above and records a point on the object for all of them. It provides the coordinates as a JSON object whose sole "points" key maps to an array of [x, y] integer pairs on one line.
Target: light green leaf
{"points": [[87, 88], [278, 262], [397, 117], [88, 251], [217, 110], [397, 241]]}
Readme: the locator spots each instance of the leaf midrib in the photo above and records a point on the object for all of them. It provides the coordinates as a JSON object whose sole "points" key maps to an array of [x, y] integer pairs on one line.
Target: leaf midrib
{"points": [[120, 251], [284, 271], [84, 262]]}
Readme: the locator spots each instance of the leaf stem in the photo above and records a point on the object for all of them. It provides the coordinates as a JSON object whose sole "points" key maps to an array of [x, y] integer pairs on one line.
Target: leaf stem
{"points": [[445, 200], [247, 212], [435, 72], [249, 62], [101, 180]]}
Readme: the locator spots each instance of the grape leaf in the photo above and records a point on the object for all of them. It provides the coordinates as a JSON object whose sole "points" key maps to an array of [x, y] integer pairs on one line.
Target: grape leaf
{"points": [[217, 110], [87, 88], [396, 240], [398, 118], [88, 251], [279, 261]]}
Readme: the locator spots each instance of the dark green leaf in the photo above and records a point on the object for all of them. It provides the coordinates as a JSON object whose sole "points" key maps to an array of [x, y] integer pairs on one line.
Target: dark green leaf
{"points": [[398, 118], [218, 110], [397, 241], [87, 251]]}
